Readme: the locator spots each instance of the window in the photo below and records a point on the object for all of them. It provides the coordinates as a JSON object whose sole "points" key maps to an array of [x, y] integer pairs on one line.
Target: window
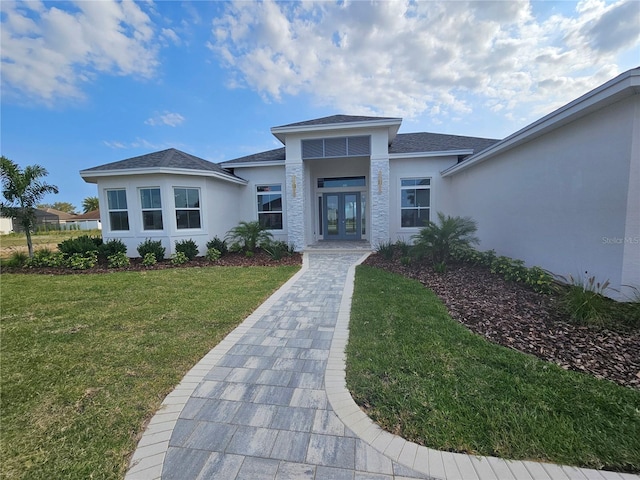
{"points": [[187, 207], [341, 182], [151, 209], [270, 206], [415, 202], [117, 206]]}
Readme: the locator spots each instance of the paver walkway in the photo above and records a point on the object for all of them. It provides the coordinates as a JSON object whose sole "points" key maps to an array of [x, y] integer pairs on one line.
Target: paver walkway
{"points": [[270, 402]]}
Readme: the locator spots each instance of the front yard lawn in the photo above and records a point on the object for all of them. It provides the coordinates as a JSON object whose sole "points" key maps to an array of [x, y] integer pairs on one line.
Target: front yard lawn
{"points": [[424, 376], [87, 359]]}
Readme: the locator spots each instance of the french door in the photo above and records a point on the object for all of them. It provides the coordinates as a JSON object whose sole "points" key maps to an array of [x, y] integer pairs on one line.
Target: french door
{"points": [[342, 216]]}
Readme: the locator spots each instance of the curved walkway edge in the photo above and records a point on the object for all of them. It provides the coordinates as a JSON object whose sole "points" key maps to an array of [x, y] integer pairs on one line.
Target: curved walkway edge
{"points": [[149, 458]]}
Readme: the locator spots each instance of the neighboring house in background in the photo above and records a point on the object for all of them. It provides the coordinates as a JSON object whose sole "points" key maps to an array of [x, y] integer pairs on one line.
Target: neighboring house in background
{"points": [[86, 221], [562, 193], [6, 225], [48, 219]]}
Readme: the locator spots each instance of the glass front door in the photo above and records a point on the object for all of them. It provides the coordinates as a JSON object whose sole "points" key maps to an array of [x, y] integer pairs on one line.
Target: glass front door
{"points": [[342, 216]]}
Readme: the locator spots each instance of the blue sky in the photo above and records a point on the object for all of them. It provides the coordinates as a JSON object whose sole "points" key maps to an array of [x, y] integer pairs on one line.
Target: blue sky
{"points": [[87, 83]]}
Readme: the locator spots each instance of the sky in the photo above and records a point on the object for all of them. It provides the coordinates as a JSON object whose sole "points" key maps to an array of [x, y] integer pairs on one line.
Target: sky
{"points": [[91, 82]]}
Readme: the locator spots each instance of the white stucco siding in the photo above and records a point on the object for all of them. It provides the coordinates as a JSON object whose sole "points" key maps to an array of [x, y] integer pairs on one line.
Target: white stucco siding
{"points": [[215, 216], [245, 208], [406, 168], [556, 201]]}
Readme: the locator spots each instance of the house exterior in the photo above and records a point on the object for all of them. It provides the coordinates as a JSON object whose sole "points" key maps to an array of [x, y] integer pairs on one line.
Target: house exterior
{"points": [[562, 193]]}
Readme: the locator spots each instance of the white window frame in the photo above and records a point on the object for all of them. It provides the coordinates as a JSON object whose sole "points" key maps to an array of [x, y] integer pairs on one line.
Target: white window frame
{"points": [[151, 209], [189, 209], [117, 210], [416, 186], [258, 203]]}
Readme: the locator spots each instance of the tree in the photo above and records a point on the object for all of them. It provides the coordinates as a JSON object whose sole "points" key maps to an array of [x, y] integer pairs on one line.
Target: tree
{"points": [[438, 239], [90, 204], [22, 190], [249, 235]]}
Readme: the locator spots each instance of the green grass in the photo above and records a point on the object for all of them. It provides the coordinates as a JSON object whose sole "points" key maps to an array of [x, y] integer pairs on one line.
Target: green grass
{"points": [[424, 376], [87, 359]]}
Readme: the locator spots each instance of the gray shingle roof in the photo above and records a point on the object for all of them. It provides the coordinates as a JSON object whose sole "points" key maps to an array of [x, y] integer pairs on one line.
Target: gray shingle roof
{"points": [[336, 119], [268, 156], [170, 158], [437, 142]]}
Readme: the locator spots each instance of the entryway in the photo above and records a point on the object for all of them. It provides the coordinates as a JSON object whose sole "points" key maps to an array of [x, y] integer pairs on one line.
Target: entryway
{"points": [[342, 216]]}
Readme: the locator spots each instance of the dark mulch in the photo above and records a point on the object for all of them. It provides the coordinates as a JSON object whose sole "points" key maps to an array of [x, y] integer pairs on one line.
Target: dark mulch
{"points": [[512, 315], [260, 259]]}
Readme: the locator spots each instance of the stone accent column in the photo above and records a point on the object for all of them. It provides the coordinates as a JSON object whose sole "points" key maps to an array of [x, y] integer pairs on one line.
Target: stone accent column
{"points": [[379, 194], [295, 187]]}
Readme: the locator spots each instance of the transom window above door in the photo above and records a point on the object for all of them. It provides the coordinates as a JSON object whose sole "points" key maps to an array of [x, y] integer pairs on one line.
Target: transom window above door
{"points": [[337, 182]]}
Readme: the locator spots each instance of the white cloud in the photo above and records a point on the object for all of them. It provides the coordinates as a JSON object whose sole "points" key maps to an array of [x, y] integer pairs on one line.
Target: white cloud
{"points": [[408, 58], [48, 51], [167, 118]]}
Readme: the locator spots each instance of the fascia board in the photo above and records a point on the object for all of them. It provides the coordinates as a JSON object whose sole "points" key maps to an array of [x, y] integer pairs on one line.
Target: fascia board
{"points": [[393, 125], [279, 163], [443, 153], [87, 175]]}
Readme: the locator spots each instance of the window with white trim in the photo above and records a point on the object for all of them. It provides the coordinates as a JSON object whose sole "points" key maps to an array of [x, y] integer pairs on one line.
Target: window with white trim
{"points": [[187, 201], [151, 209], [117, 207], [415, 202], [269, 199]]}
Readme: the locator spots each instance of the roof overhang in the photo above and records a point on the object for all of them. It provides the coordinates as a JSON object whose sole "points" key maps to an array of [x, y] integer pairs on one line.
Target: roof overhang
{"points": [[92, 176], [616, 89], [275, 163], [442, 153], [392, 124]]}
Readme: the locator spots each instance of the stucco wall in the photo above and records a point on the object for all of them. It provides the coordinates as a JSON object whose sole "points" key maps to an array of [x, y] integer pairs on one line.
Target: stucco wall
{"points": [[425, 167], [562, 201], [215, 198]]}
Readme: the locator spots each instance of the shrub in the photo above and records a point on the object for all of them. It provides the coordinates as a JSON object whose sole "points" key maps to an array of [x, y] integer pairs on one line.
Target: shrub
{"points": [[249, 254], [179, 258], [17, 259], [437, 240], [404, 247], [46, 258], [249, 235], [386, 249], [219, 245], [79, 261], [440, 267], [213, 254], [82, 245], [405, 261], [276, 250], [149, 259], [112, 247], [118, 260], [152, 246], [584, 300], [188, 247]]}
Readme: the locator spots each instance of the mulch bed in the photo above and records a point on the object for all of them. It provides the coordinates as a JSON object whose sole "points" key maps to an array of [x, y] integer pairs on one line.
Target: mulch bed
{"points": [[512, 315], [260, 259]]}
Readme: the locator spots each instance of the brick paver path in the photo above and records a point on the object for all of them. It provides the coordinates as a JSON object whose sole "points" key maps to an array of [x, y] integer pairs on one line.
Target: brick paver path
{"points": [[270, 402]]}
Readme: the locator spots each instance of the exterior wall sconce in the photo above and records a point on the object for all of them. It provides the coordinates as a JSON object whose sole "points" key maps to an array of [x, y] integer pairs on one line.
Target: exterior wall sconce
{"points": [[379, 181], [293, 184]]}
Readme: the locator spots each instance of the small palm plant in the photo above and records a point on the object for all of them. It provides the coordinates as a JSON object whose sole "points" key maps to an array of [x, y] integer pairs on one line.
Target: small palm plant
{"points": [[249, 235], [437, 240]]}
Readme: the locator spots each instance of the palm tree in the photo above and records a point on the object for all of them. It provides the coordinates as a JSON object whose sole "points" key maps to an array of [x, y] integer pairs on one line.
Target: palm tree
{"points": [[249, 235], [23, 190], [437, 240], [90, 204]]}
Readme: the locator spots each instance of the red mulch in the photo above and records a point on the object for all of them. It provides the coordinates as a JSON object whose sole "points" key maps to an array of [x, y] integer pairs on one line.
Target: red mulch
{"points": [[512, 315]]}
